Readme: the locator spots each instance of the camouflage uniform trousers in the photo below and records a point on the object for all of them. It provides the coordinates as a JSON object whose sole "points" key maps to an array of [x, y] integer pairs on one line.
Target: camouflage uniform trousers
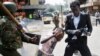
{"points": [[8, 52]]}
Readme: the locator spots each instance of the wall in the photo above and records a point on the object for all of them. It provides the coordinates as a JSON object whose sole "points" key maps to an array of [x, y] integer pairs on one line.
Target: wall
{"points": [[34, 2]]}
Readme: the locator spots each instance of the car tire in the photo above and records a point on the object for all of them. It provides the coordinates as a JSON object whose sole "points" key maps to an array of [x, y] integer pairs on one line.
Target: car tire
{"points": [[46, 22]]}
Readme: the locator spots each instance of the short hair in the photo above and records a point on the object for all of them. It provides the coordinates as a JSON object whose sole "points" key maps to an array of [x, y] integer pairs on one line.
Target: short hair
{"points": [[75, 3]]}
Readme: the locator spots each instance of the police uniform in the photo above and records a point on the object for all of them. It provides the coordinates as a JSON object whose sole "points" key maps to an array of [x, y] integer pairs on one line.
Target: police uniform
{"points": [[10, 37]]}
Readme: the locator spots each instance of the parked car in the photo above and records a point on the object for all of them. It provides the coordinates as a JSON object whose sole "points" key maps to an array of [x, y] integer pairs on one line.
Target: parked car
{"points": [[47, 18]]}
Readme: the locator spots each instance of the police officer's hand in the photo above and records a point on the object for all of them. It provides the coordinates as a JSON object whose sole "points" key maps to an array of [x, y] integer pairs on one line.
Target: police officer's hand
{"points": [[78, 33], [88, 34]]}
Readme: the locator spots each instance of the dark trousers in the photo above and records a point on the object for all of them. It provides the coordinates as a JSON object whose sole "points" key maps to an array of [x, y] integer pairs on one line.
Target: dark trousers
{"points": [[97, 21], [40, 53], [84, 50], [6, 52]]}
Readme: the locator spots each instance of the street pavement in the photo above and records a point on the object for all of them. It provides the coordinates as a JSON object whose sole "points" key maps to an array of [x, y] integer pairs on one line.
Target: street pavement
{"points": [[93, 42]]}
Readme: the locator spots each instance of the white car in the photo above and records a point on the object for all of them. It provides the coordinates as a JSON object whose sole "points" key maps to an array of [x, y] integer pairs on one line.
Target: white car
{"points": [[47, 18]]}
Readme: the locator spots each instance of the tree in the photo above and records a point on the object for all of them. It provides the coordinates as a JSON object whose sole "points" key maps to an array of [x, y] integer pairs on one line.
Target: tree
{"points": [[51, 9]]}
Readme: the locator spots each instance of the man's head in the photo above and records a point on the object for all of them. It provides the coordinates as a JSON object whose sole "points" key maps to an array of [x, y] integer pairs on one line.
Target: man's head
{"points": [[59, 33], [75, 7]]}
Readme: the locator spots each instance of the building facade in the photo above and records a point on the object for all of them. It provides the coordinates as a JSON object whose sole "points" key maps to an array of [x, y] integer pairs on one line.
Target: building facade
{"points": [[92, 6], [33, 8], [27, 7]]}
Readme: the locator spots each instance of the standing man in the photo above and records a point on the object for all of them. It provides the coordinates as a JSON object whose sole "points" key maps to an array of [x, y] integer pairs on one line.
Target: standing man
{"points": [[77, 34], [97, 15]]}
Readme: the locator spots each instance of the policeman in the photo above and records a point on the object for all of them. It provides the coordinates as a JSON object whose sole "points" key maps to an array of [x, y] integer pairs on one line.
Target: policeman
{"points": [[10, 36]]}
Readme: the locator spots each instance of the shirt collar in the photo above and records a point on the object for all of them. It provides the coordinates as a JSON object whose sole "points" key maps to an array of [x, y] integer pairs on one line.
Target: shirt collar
{"points": [[74, 16]]}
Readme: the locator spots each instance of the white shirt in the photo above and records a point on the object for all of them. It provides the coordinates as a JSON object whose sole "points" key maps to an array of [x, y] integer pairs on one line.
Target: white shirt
{"points": [[97, 14], [48, 47], [76, 21]]}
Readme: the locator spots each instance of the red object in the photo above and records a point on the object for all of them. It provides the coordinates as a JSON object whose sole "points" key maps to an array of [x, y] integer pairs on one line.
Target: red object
{"points": [[19, 7], [23, 14], [22, 3]]}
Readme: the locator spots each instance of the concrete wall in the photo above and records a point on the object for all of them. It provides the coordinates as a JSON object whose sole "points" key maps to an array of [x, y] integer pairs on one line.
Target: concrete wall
{"points": [[34, 2]]}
